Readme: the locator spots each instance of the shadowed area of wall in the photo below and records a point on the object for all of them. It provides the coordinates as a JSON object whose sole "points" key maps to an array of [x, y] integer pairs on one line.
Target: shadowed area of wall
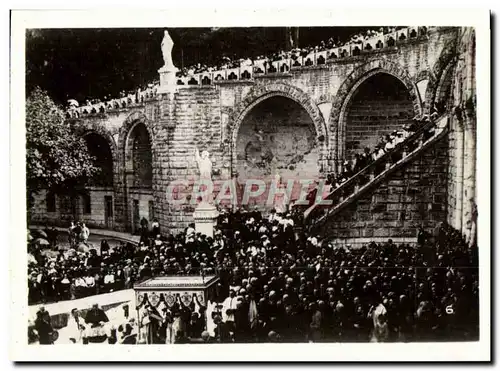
{"points": [[380, 105]]}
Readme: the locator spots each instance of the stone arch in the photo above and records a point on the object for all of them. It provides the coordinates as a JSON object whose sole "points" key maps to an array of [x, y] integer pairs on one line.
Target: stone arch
{"points": [[134, 118], [442, 65], [262, 92], [348, 89], [125, 140], [108, 138], [84, 128], [422, 81], [444, 83], [421, 75]]}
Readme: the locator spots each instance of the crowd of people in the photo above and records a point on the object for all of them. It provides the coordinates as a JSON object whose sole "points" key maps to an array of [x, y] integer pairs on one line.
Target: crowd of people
{"points": [[294, 54], [285, 285], [387, 143]]}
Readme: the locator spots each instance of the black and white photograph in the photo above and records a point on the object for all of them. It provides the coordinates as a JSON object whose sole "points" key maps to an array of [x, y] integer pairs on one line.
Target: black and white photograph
{"points": [[270, 184]]}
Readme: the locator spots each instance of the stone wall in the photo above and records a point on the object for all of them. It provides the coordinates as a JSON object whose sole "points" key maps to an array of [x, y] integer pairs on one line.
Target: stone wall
{"points": [[277, 137], [142, 206], [462, 153], [411, 197], [381, 104], [63, 214], [212, 118], [190, 119]]}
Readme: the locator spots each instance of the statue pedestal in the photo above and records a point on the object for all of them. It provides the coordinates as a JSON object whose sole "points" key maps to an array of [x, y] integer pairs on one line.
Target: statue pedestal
{"points": [[168, 83], [205, 218]]}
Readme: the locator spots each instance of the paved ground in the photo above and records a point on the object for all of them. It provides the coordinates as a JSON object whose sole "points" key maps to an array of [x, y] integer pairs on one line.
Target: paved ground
{"points": [[94, 242]]}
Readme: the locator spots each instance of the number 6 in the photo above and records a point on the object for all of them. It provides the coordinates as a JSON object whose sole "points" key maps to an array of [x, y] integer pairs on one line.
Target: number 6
{"points": [[449, 310]]}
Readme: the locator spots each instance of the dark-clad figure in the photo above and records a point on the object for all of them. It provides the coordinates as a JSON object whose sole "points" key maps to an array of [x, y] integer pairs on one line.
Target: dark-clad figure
{"points": [[96, 318], [104, 246], [144, 230], [155, 227], [44, 327]]}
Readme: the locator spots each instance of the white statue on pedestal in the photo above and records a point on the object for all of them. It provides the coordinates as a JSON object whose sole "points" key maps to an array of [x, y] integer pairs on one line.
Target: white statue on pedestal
{"points": [[204, 164], [205, 214], [166, 48], [167, 72]]}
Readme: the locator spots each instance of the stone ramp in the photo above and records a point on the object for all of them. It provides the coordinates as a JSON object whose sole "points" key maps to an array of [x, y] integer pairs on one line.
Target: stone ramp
{"points": [[60, 311], [102, 233]]}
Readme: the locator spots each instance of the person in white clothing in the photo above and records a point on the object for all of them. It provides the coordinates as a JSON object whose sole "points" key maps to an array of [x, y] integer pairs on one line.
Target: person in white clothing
{"points": [[399, 137], [380, 331], [109, 278], [389, 145], [90, 282], [75, 327], [84, 235], [80, 287], [109, 281], [229, 305]]}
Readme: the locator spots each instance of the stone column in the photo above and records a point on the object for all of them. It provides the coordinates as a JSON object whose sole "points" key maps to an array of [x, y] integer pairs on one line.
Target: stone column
{"points": [[167, 80]]}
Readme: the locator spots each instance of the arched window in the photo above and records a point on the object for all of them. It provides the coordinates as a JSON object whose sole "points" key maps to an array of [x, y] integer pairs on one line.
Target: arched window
{"points": [[206, 81], [245, 75]]}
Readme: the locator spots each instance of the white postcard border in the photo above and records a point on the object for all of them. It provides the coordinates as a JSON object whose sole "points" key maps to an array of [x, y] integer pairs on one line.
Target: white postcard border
{"points": [[21, 351]]}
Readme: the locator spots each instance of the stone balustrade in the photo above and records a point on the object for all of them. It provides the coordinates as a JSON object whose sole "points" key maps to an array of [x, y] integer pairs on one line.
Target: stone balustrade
{"points": [[262, 67], [129, 100]]}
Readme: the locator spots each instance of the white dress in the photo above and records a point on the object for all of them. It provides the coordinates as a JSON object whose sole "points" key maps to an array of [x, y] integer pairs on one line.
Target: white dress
{"points": [[210, 321]]}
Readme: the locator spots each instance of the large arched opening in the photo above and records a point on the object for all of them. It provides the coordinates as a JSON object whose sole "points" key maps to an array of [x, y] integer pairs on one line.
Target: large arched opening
{"points": [[276, 139], [139, 156], [380, 104], [99, 191], [100, 150], [139, 175]]}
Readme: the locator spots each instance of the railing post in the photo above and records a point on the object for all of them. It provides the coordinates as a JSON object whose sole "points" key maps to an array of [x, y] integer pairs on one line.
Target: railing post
{"points": [[404, 152], [356, 186], [388, 165]]}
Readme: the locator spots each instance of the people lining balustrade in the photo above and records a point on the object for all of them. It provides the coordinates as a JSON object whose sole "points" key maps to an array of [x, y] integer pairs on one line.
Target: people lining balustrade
{"points": [[295, 57]]}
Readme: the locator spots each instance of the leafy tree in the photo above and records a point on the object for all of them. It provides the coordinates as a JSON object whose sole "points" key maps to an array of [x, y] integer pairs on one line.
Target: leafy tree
{"points": [[57, 159]]}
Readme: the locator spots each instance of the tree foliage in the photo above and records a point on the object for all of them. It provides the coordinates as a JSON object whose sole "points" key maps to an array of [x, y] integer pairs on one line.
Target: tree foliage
{"points": [[57, 158]]}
